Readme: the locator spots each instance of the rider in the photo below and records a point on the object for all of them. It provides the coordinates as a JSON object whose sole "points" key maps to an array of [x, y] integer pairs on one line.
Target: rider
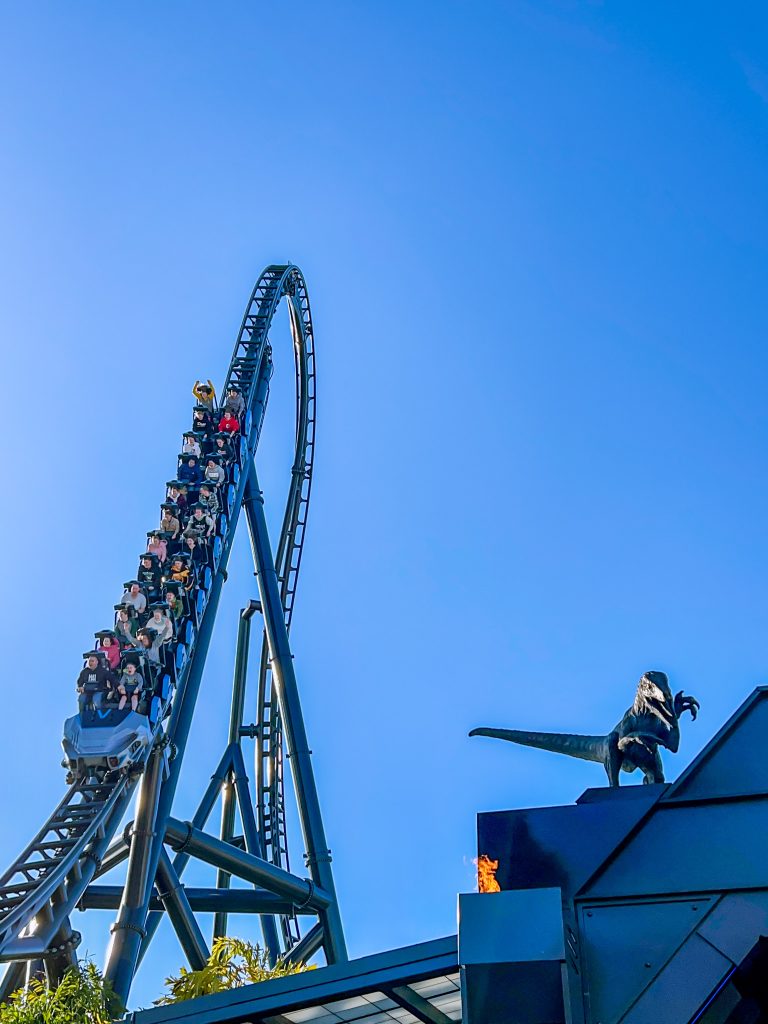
{"points": [[93, 681], [149, 575], [234, 403], [160, 623], [199, 524], [191, 444], [130, 685], [134, 596], [180, 572], [109, 647], [126, 625], [169, 522], [202, 420], [209, 499], [205, 394], [229, 423], [176, 496], [213, 471], [149, 645], [223, 448], [158, 546], [190, 474]]}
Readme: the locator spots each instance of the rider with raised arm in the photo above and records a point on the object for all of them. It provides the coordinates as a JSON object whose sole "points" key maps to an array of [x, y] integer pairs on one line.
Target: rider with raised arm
{"points": [[160, 623], [205, 394]]}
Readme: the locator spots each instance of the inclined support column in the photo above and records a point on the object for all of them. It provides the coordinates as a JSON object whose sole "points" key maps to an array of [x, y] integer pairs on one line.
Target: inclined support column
{"points": [[176, 904], [128, 930], [318, 855]]}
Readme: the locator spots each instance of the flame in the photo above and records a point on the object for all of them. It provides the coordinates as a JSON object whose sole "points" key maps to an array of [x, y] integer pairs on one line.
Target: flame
{"points": [[486, 874]]}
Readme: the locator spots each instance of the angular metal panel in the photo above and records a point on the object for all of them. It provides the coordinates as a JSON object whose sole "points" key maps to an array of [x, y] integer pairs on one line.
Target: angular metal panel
{"points": [[735, 923], [625, 946], [712, 846], [682, 988]]}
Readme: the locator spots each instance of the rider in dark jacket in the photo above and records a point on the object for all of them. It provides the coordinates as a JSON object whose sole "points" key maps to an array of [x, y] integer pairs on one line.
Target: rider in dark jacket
{"points": [[94, 681], [149, 576]]}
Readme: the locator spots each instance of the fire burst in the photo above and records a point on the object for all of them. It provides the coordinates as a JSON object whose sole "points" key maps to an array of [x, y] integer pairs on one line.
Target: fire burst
{"points": [[486, 874]]}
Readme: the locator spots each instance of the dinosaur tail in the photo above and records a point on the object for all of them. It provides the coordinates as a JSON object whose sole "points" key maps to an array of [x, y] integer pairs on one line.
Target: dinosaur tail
{"points": [[588, 748]]}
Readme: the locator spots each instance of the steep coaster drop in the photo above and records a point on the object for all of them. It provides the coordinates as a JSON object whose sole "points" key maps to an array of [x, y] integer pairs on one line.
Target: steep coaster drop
{"points": [[131, 732]]}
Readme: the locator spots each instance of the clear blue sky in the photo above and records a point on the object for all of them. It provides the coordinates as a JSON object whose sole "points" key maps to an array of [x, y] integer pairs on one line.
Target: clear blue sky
{"points": [[535, 240]]}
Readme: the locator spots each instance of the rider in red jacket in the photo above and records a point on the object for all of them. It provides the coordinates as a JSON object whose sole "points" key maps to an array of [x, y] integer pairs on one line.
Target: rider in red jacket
{"points": [[229, 423]]}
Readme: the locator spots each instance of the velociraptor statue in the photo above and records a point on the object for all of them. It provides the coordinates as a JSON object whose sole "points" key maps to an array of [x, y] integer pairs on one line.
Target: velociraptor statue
{"points": [[651, 722]]}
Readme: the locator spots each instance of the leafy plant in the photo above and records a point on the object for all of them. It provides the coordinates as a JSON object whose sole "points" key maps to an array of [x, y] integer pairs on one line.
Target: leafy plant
{"points": [[232, 963], [82, 997]]}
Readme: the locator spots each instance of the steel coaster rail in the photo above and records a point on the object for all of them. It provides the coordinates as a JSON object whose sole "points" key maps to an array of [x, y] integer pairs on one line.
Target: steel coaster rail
{"points": [[269, 755], [35, 902], [270, 799]]}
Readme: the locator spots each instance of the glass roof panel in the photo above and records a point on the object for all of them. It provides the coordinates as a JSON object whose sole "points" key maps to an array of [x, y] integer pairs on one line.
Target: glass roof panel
{"points": [[349, 1009], [436, 986], [450, 1004], [401, 1014], [316, 1014], [381, 1001], [377, 1018]]}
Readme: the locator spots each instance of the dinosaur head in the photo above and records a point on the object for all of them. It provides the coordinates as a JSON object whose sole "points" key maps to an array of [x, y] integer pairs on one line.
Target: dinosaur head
{"points": [[653, 688]]}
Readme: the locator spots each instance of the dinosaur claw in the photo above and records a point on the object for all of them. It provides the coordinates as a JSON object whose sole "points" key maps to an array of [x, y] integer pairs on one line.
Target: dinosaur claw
{"points": [[685, 703]]}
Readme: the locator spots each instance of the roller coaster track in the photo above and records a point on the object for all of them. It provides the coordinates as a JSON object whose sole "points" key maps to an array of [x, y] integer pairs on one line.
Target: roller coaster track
{"points": [[56, 873]]}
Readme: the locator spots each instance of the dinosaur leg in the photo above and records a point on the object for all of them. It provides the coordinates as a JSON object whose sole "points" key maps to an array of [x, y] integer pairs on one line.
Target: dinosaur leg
{"points": [[639, 754], [613, 759], [656, 772]]}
